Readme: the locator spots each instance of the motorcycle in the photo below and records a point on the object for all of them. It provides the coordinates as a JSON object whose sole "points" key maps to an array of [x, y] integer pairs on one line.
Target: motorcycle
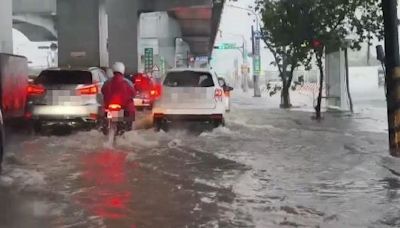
{"points": [[116, 123]]}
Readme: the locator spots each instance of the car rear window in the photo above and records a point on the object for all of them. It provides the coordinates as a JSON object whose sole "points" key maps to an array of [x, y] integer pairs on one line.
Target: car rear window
{"points": [[64, 77], [189, 79]]}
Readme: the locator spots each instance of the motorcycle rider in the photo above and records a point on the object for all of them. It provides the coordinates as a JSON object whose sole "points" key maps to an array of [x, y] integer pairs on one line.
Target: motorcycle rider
{"points": [[118, 90]]}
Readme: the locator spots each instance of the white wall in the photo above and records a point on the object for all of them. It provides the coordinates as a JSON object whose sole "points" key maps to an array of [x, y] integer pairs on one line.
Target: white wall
{"points": [[159, 31], [364, 83]]}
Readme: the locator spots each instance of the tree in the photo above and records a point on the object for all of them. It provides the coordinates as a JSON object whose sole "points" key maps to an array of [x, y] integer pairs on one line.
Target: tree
{"points": [[333, 22], [295, 29], [284, 33]]}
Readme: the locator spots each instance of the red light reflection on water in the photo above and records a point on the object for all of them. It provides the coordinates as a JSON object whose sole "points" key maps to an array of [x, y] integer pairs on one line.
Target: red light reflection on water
{"points": [[104, 175], [105, 168], [110, 205]]}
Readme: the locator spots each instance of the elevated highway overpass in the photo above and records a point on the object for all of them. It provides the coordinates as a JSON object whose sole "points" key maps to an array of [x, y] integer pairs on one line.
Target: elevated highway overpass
{"points": [[96, 32]]}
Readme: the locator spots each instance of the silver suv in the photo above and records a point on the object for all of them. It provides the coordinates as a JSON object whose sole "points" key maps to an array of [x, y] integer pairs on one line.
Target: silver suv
{"points": [[66, 97]]}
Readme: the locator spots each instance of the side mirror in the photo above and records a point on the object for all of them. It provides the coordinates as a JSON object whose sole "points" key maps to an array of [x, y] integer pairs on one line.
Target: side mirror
{"points": [[227, 88], [380, 53]]}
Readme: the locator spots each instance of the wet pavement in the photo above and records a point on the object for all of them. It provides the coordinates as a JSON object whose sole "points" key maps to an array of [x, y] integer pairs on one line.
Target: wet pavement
{"points": [[266, 168]]}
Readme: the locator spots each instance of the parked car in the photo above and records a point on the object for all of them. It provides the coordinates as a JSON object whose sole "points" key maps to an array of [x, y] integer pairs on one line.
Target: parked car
{"points": [[189, 95], [64, 96], [227, 93]]}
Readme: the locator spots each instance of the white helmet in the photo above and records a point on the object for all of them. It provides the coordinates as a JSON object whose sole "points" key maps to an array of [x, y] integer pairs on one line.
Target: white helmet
{"points": [[119, 67]]}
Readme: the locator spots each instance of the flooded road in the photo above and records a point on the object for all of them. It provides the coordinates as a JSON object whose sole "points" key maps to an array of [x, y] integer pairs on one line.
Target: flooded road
{"points": [[266, 168]]}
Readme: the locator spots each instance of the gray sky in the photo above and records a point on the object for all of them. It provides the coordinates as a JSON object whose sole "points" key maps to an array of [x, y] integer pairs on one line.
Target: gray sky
{"points": [[234, 24]]}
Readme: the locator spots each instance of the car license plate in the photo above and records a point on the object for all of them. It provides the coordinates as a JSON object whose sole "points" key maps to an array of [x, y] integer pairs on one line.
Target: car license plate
{"points": [[115, 114]]}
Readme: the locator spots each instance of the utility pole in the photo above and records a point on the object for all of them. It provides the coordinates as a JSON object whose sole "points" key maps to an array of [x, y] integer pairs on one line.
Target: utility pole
{"points": [[245, 74], [392, 74], [236, 72], [256, 50], [255, 41]]}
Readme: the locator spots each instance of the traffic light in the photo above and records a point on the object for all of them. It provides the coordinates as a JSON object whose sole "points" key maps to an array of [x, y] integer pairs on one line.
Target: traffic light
{"points": [[316, 43]]}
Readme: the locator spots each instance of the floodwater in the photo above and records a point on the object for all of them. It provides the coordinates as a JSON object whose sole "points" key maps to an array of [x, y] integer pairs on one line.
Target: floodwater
{"points": [[266, 168]]}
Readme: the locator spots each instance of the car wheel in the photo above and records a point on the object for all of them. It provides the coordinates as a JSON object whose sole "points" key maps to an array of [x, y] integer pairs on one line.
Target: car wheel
{"points": [[219, 123], [37, 127], [157, 125], [161, 125]]}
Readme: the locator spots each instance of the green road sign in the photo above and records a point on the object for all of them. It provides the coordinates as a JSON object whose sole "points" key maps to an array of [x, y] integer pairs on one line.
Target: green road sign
{"points": [[148, 60], [226, 46], [256, 65]]}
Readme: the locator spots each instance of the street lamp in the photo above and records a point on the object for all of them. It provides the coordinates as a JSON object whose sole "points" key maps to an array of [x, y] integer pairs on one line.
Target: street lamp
{"points": [[244, 56], [250, 12], [255, 41]]}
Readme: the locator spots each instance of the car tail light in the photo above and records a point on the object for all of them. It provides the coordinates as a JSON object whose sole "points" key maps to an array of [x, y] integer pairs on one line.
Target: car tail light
{"points": [[35, 90], [114, 107], [93, 116], [138, 83], [154, 93], [28, 115], [158, 115], [88, 90], [218, 94]]}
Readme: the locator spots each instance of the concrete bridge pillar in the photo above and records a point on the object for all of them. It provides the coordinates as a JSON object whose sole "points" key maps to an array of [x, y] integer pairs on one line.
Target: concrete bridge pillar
{"points": [[82, 33], [6, 44], [123, 32]]}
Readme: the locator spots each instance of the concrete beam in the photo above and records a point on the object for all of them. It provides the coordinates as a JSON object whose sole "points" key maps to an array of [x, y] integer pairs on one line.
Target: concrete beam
{"points": [[123, 26], [164, 5], [196, 27], [215, 22], [6, 44], [201, 21], [81, 33], [42, 7]]}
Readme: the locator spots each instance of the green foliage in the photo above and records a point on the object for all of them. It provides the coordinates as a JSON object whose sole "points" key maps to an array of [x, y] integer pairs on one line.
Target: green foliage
{"points": [[290, 25], [283, 32]]}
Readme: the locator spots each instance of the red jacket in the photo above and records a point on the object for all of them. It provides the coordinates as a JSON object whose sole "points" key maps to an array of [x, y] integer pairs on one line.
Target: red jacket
{"points": [[119, 91]]}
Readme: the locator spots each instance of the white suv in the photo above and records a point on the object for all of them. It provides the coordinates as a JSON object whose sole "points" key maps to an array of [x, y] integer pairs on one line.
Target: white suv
{"points": [[189, 95]]}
